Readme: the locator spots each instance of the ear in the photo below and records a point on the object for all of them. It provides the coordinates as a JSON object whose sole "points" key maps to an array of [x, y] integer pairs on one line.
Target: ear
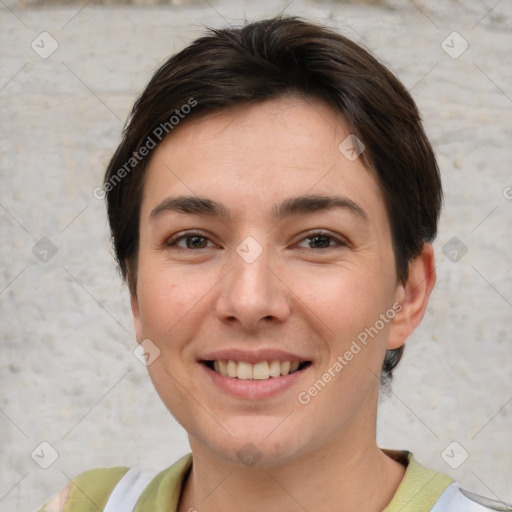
{"points": [[413, 296], [134, 302]]}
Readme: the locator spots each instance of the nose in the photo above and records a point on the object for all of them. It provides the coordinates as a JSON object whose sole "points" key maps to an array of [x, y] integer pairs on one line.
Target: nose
{"points": [[253, 294]]}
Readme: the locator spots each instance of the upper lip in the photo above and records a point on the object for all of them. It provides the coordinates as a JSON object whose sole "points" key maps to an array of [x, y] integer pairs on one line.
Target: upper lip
{"points": [[253, 356]]}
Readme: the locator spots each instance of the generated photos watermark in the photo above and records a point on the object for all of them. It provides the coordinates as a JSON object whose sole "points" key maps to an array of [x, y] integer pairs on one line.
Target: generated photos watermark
{"points": [[157, 135], [305, 397]]}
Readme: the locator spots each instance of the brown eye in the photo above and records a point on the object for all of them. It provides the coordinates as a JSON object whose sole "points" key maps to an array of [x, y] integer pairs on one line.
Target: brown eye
{"points": [[322, 240], [191, 240], [195, 242]]}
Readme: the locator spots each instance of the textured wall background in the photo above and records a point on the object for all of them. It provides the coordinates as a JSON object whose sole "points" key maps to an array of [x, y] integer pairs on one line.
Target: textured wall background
{"points": [[68, 375]]}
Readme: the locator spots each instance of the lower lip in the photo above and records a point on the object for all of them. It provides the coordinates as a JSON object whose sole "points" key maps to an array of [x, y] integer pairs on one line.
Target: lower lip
{"points": [[254, 389]]}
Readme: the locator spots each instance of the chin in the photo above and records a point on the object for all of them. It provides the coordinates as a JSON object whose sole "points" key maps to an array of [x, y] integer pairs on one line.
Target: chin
{"points": [[252, 443]]}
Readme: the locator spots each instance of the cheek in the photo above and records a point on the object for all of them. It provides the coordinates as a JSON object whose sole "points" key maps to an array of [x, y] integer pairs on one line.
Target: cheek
{"points": [[171, 301], [344, 298], [162, 300], [344, 307]]}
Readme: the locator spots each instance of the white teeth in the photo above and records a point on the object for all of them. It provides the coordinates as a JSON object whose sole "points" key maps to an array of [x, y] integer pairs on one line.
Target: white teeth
{"points": [[232, 368], [259, 371], [275, 369], [222, 368], [244, 370]]}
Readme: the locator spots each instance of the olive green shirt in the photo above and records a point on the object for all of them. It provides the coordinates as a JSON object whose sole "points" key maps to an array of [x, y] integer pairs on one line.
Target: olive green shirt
{"points": [[89, 492]]}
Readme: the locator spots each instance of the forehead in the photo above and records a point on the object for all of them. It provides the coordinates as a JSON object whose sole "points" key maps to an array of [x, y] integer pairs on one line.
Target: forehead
{"points": [[251, 158]]}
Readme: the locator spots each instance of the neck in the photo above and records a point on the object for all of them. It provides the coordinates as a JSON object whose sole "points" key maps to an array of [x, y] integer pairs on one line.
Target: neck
{"points": [[344, 474]]}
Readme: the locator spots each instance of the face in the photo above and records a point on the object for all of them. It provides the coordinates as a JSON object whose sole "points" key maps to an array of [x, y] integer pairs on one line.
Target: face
{"points": [[267, 281]]}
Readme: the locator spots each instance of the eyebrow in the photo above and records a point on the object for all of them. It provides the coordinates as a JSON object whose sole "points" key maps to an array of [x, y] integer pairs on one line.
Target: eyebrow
{"points": [[300, 205]]}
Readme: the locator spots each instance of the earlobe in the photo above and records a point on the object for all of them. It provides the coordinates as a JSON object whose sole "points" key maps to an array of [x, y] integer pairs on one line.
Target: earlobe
{"points": [[413, 296]]}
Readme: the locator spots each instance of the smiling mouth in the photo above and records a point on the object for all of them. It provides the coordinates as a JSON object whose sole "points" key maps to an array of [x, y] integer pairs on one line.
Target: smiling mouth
{"points": [[263, 370]]}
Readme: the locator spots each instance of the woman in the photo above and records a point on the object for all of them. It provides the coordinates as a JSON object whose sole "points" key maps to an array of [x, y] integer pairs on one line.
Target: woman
{"points": [[272, 207]]}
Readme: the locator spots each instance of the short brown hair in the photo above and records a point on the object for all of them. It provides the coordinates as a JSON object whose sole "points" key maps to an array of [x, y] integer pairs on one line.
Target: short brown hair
{"points": [[265, 60]]}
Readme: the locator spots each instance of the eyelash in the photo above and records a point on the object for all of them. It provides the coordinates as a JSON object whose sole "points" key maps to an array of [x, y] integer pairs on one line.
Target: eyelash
{"points": [[326, 234], [172, 242]]}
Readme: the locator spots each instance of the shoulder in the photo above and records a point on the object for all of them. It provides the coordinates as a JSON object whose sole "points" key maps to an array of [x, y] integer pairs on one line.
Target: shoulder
{"points": [[426, 490], [87, 492], [92, 490], [456, 499], [164, 490]]}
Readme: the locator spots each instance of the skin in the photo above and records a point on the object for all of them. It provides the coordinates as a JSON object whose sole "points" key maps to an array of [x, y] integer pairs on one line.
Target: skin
{"points": [[308, 296]]}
